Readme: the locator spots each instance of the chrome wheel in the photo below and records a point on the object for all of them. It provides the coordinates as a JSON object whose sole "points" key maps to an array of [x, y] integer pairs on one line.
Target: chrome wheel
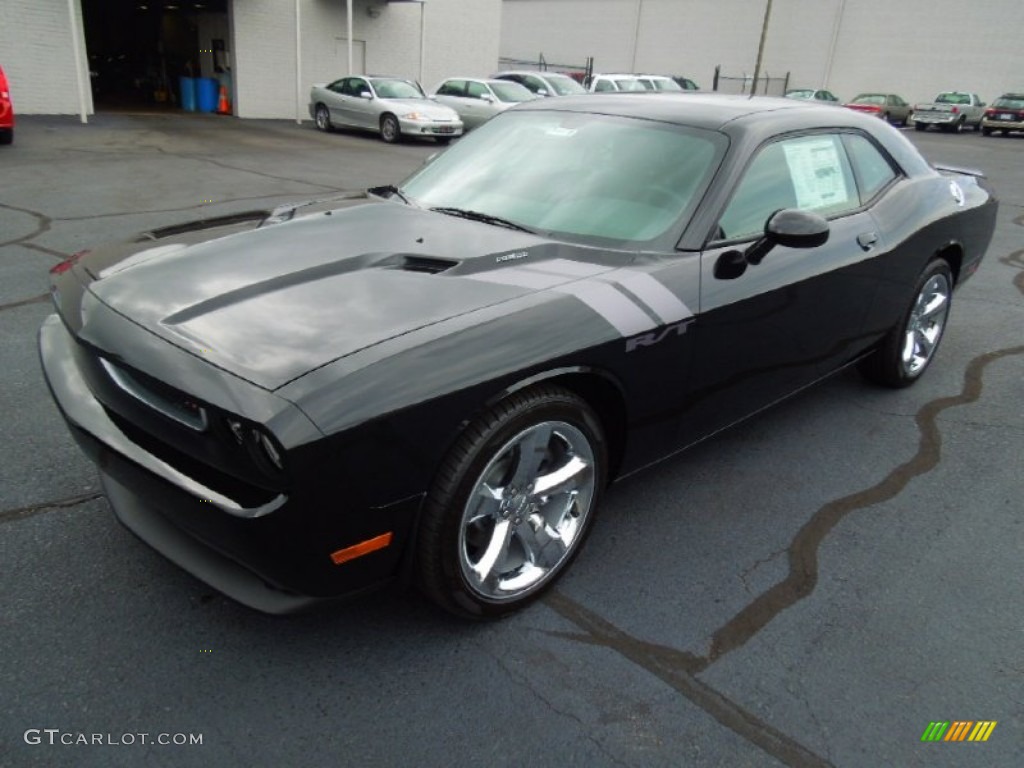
{"points": [[389, 129], [527, 511], [323, 118], [925, 324]]}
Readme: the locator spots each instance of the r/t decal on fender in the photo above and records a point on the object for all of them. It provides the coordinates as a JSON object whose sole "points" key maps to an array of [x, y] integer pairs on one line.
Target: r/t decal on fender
{"points": [[652, 338]]}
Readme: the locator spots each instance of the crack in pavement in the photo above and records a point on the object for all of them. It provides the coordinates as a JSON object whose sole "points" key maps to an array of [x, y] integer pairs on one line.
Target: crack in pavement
{"points": [[43, 224], [20, 513], [678, 669], [23, 302], [48, 251]]}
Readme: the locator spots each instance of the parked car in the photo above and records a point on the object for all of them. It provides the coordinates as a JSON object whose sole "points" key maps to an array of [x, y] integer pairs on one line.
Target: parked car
{"points": [[6, 111], [686, 83], [544, 83], [1006, 114], [811, 94], [477, 100], [951, 111], [611, 83], [659, 83], [390, 106], [888, 106], [436, 381]]}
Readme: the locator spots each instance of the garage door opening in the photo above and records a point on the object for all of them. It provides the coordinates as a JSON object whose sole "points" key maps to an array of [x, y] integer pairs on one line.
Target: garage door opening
{"points": [[139, 51]]}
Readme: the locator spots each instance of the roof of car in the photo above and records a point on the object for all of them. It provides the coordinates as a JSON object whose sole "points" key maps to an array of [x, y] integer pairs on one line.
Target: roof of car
{"points": [[699, 109], [528, 72]]}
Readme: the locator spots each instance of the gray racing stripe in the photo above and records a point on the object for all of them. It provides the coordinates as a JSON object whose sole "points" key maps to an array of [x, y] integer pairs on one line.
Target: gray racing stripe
{"points": [[623, 313], [659, 299], [568, 268], [520, 277]]}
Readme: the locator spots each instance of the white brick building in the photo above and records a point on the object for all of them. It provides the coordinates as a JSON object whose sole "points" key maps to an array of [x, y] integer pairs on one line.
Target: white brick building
{"points": [[274, 49]]}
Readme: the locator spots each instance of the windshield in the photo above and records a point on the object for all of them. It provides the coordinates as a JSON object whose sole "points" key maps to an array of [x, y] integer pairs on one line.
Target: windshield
{"points": [[512, 93], [565, 86], [396, 89], [582, 176], [870, 98]]}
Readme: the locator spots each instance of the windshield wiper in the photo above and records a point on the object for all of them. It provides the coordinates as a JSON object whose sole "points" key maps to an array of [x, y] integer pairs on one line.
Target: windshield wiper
{"points": [[390, 190], [486, 218]]}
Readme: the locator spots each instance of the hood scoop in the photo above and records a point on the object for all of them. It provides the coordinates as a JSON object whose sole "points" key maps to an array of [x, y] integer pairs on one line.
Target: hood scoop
{"points": [[408, 262]]}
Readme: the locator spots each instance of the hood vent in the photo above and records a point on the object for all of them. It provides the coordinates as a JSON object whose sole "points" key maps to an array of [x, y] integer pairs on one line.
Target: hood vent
{"points": [[430, 265]]}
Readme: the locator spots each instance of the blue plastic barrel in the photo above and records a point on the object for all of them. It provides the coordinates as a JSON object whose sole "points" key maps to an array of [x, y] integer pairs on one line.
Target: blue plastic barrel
{"points": [[207, 91], [188, 94]]}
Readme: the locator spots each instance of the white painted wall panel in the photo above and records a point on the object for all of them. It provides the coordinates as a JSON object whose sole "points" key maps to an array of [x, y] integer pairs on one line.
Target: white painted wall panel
{"points": [[36, 53]]}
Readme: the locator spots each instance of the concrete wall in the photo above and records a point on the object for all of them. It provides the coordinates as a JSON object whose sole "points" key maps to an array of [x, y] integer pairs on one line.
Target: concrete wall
{"points": [[461, 37], [912, 47], [36, 52]]}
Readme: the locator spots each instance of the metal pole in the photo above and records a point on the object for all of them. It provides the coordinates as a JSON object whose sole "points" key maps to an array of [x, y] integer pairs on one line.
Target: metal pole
{"points": [[348, 21], [833, 43], [760, 45], [423, 39], [76, 51], [636, 32], [298, 64]]}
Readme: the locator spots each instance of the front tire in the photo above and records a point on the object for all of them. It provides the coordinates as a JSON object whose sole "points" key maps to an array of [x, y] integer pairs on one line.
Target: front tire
{"points": [[986, 131], [390, 130], [6, 135], [909, 348], [919, 126], [512, 504], [322, 116]]}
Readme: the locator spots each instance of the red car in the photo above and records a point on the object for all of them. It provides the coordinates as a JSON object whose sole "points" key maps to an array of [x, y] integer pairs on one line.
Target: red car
{"points": [[6, 111], [888, 106]]}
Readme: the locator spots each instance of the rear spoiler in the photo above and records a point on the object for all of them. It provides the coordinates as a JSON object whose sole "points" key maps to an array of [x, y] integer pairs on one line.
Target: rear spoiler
{"points": [[956, 169]]}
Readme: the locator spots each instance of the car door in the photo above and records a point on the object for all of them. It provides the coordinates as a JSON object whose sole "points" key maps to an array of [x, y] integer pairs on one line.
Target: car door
{"points": [[362, 112], [452, 93], [800, 312], [333, 99]]}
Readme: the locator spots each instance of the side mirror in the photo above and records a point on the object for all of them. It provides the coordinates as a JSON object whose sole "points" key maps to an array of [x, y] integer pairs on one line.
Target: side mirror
{"points": [[487, 97], [788, 227], [542, 91], [791, 228], [366, 95]]}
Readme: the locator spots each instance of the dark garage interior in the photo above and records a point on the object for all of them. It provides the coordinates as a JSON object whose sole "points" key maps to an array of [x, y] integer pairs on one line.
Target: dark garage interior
{"points": [[138, 50]]}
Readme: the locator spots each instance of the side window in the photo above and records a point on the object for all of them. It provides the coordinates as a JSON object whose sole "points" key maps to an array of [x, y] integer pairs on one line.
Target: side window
{"points": [[451, 88], [874, 172], [604, 85], [354, 86], [811, 173], [337, 86], [535, 84], [476, 90]]}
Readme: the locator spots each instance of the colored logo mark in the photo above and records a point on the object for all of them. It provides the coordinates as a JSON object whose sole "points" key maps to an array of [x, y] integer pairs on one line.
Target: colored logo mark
{"points": [[958, 730]]}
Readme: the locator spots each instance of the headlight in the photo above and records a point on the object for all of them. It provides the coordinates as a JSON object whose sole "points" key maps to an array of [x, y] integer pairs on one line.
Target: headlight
{"points": [[415, 116]]}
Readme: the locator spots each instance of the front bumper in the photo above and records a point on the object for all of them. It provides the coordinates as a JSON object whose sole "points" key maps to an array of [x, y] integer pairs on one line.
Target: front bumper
{"points": [[447, 128], [275, 562]]}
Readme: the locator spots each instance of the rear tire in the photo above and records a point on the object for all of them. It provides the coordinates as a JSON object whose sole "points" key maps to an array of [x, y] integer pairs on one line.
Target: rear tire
{"points": [[919, 126], [909, 348], [986, 131], [511, 504], [6, 135]]}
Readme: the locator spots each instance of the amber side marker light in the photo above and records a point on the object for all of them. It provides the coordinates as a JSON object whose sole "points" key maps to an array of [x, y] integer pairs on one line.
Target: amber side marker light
{"points": [[360, 549]]}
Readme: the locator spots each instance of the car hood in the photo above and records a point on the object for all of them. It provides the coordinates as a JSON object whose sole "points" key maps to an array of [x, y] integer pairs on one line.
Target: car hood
{"points": [[274, 303]]}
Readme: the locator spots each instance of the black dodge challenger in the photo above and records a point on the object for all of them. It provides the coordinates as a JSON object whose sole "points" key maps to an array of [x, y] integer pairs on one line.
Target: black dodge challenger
{"points": [[434, 382]]}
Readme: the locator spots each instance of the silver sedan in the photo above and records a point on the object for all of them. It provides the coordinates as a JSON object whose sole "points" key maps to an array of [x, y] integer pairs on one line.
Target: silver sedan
{"points": [[390, 106], [477, 101]]}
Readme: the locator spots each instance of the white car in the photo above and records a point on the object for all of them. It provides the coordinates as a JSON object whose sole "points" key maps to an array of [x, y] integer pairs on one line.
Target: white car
{"points": [[391, 106], [544, 83], [477, 100], [611, 83]]}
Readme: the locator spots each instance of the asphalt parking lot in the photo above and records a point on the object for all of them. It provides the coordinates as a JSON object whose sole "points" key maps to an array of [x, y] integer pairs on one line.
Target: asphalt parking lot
{"points": [[812, 588]]}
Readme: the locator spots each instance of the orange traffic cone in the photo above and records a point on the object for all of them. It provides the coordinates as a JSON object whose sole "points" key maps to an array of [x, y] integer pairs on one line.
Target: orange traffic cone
{"points": [[224, 106]]}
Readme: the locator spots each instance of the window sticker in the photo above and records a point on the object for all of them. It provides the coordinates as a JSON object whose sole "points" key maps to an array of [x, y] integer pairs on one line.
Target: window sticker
{"points": [[817, 173]]}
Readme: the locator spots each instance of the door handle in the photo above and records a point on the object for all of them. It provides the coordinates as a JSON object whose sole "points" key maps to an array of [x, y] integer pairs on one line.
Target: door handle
{"points": [[867, 240]]}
